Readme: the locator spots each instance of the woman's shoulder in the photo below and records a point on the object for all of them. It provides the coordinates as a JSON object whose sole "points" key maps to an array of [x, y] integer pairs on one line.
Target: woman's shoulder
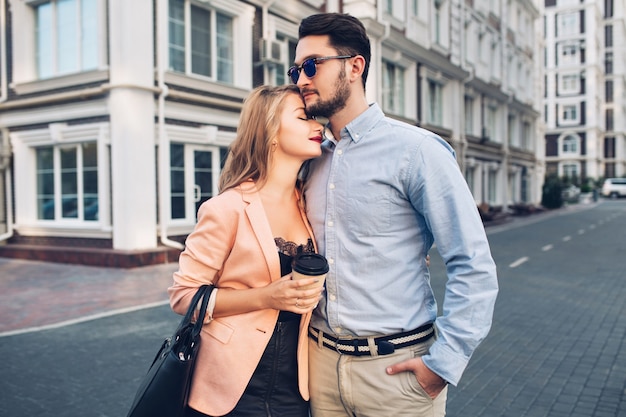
{"points": [[238, 196]]}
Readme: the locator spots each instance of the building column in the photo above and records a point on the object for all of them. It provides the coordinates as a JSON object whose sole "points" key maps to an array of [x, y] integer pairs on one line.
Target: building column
{"points": [[132, 120]]}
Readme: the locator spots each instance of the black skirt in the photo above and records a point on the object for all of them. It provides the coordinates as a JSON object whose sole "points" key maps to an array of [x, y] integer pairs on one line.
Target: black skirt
{"points": [[273, 389]]}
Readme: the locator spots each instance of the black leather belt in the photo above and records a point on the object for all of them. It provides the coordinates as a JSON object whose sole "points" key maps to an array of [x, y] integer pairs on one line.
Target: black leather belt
{"points": [[359, 346]]}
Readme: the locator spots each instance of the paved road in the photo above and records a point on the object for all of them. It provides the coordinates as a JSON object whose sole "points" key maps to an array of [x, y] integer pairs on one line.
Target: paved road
{"points": [[76, 340], [558, 341]]}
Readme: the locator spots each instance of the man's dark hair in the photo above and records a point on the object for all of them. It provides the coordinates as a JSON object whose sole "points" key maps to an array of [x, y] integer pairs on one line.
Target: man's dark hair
{"points": [[345, 32]]}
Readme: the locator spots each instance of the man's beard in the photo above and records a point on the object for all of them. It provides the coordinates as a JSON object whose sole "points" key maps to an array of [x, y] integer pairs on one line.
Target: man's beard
{"points": [[337, 102]]}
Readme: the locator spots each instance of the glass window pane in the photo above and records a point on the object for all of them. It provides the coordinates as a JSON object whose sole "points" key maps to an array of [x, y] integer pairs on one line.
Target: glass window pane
{"points": [[70, 207], [67, 36], [90, 207], [45, 64], [177, 181], [178, 207], [45, 208], [45, 184], [201, 41], [177, 35], [177, 155], [225, 48], [89, 34], [90, 154], [69, 183]]}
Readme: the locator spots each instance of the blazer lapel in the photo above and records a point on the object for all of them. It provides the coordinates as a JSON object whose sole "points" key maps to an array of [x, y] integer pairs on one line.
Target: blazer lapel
{"points": [[261, 229]]}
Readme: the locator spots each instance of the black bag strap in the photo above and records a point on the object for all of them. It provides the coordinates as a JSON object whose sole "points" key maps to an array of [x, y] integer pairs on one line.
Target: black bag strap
{"points": [[204, 291], [205, 301]]}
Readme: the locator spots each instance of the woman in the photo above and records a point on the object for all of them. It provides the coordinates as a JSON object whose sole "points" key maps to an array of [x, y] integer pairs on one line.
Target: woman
{"points": [[253, 354]]}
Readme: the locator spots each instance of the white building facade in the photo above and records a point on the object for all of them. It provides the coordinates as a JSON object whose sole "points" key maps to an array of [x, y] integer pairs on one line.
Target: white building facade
{"points": [[116, 115], [585, 88]]}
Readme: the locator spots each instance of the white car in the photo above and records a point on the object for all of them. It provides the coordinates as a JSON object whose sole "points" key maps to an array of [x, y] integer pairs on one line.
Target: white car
{"points": [[614, 187]]}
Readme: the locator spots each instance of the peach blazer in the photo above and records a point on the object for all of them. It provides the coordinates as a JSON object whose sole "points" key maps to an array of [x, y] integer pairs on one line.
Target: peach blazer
{"points": [[232, 246]]}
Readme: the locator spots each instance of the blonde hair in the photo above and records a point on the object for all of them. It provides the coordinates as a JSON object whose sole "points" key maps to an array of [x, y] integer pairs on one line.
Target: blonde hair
{"points": [[250, 152]]}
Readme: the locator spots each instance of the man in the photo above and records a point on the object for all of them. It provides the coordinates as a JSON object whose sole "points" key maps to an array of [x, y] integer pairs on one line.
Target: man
{"points": [[378, 198]]}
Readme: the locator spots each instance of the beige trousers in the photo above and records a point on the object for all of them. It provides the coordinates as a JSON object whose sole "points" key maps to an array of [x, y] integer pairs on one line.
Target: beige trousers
{"points": [[358, 386]]}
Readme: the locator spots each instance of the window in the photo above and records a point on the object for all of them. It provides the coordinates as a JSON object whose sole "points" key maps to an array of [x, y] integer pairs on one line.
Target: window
{"points": [[608, 8], [469, 115], [435, 103], [609, 170], [526, 136], [288, 54], [389, 6], [492, 184], [492, 123], [512, 131], [609, 147], [393, 88], [608, 63], [567, 23], [570, 112], [414, 7], [470, 172], [608, 91], [201, 41], [569, 53], [66, 37], [194, 171], [570, 170], [570, 84], [570, 145], [67, 182], [608, 36], [609, 120], [439, 23]]}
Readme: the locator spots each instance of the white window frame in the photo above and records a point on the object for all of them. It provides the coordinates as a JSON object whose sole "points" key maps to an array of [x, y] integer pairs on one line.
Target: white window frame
{"points": [[568, 23], [468, 109], [242, 16], [393, 95], [24, 52], [58, 135], [570, 169], [569, 53], [53, 38], [570, 145], [569, 113], [569, 83], [434, 106]]}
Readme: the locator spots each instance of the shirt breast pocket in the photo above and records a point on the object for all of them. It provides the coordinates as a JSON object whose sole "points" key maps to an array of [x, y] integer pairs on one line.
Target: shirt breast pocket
{"points": [[369, 212]]}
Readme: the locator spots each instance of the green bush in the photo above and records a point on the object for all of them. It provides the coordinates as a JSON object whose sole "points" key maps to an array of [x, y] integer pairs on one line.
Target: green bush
{"points": [[551, 197]]}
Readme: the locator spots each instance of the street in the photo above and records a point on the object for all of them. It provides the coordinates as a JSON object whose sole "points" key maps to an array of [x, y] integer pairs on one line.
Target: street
{"points": [[558, 342], [557, 346]]}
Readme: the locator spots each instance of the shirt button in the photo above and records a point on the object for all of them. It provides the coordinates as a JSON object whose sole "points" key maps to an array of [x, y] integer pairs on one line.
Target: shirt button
{"points": [[340, 152], [338, 330], [331, 223], [331, 186], [331, 261], [332, 297]]}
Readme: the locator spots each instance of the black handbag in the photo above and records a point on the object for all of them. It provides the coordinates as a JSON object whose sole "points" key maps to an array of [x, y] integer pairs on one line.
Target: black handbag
{"points": [[165, 388]]}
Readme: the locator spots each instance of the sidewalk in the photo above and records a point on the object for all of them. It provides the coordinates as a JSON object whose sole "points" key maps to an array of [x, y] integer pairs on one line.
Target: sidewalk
{"points": [[36, 294]]}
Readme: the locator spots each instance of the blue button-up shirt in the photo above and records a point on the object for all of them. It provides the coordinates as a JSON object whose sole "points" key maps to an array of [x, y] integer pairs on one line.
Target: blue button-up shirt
{"points": [[377, 200]]}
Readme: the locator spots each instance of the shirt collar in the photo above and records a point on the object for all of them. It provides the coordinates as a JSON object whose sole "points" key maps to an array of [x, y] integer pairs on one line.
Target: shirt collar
{"points": [[363, 123], [357, 128]]}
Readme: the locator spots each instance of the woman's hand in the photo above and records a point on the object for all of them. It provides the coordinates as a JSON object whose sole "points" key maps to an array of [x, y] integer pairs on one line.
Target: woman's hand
{"points": [[291, 295]]}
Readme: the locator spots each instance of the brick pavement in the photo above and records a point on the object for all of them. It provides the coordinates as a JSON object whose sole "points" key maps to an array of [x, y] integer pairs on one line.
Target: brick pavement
{"points": [[35, 294]]}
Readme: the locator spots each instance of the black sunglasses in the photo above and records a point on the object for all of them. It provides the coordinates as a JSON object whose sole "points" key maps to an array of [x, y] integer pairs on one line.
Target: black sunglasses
{"points": [[309, 67]]}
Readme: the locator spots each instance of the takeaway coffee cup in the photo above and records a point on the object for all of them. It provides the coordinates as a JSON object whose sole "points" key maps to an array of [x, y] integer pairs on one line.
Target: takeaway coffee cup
{"points": [[308, 265]]}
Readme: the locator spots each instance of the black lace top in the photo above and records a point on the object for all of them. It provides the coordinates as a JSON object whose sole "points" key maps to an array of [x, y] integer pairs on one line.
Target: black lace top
{"points": [[287, 250]]}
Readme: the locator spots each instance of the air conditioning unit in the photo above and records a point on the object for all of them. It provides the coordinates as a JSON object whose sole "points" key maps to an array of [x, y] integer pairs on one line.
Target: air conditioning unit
{"points": [[271, 51]]}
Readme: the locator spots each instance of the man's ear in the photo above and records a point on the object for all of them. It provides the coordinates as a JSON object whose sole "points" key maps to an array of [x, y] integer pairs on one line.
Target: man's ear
{"points": [[357, 65]]}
